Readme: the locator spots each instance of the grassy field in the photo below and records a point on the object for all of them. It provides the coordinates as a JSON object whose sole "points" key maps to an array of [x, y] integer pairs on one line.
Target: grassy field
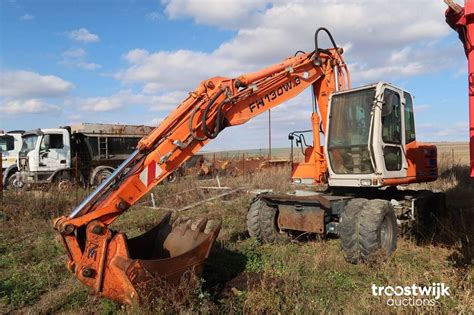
{"points": [[450, 152], [243, 276]]}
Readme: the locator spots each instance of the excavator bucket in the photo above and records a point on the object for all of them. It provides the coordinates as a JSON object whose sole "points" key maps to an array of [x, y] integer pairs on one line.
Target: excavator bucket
{"points": [[138, 269]]}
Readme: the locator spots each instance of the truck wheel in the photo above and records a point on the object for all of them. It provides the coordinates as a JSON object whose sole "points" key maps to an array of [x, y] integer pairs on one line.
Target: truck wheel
{"points": [[13, 183], [101, 176], [368, 229], [262, 223]]}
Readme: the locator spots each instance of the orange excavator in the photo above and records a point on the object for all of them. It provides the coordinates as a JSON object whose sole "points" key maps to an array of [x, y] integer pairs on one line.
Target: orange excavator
{"points": [[370, 148]]}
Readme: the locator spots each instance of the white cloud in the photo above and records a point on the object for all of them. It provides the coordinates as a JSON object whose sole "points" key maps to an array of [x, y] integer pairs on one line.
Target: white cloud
{"points": [[76, 57], [88, 65], [378, 46], [382, 41], [136, 55], [164, 102], [14, 107], [229, 13], [26, 17], [27, 84], [83, 35], [75, 53], [443, 132], [182, 69]]}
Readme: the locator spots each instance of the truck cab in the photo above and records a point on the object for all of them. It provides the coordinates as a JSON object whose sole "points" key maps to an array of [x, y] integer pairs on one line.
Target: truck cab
{"points": [[44, 153], [10, 145]]}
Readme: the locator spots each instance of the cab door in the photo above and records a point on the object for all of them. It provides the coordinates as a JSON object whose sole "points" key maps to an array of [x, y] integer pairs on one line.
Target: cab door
{"points": [[392, 135], [54, 152]]}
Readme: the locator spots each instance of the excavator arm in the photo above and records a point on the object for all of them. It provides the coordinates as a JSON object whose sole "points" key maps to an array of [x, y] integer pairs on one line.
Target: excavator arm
{"points": [[127, 270]]}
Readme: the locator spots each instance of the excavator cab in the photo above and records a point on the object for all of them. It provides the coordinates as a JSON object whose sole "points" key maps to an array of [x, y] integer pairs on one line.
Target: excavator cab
{"points": [[371, 140]]}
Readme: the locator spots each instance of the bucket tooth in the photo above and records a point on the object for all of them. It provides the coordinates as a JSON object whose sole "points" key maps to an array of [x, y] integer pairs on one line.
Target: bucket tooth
{"points": [[201, 227]]}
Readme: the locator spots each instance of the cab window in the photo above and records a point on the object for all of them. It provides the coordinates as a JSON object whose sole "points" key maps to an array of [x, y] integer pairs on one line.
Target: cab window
{"points": [[391, 118], [52, 141], [409, 119], [6, 143]]}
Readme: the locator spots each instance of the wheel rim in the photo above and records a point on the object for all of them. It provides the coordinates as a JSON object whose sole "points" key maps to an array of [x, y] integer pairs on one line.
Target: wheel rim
{"points": [[15, 184], [386, 233]]}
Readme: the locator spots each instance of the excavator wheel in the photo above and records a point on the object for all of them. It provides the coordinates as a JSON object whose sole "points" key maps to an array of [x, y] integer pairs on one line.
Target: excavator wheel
{"points": [[262, 223], [368, 230]]}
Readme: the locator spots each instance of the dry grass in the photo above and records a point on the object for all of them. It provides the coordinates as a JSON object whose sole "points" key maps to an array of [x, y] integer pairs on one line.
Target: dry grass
{"points": [[241, 275]]}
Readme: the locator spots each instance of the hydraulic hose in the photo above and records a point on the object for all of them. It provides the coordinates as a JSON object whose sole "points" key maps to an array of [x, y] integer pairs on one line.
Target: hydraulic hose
{"points": [[218, 127], [316, 45], [191, 129]]}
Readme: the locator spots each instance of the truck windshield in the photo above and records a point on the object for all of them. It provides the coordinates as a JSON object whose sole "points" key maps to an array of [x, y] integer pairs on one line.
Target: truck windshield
{"points": [[348, 136], [29, 143], [6, 143]]}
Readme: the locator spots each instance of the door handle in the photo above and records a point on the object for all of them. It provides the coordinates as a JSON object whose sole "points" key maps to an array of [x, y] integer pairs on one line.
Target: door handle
{"points": [[62, 161]]}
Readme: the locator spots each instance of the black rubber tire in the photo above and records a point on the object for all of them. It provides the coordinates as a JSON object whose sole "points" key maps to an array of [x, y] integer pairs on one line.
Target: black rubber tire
{"points": [[348, 229], [262, 223], [253, 222], [368, 230]]}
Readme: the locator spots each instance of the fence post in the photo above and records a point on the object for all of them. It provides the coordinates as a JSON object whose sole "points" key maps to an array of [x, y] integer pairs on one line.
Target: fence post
{"points": [[243, 165]]}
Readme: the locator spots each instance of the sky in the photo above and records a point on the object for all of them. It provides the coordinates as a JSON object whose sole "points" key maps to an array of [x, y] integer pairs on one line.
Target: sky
{"points": [[132, 62]]}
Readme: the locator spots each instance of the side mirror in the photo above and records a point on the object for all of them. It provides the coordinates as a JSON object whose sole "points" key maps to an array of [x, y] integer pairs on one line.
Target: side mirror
{"points": [[290, 137]]}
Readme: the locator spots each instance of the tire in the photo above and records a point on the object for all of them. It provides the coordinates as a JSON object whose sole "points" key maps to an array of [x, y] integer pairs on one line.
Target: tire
{"points": [[262, 223], [348, 229], [368, 230], [101, 176]]}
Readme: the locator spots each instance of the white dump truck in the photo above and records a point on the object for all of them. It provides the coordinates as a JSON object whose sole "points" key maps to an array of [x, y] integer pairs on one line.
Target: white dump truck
{"points": [[10, 145], [83, 153]]}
